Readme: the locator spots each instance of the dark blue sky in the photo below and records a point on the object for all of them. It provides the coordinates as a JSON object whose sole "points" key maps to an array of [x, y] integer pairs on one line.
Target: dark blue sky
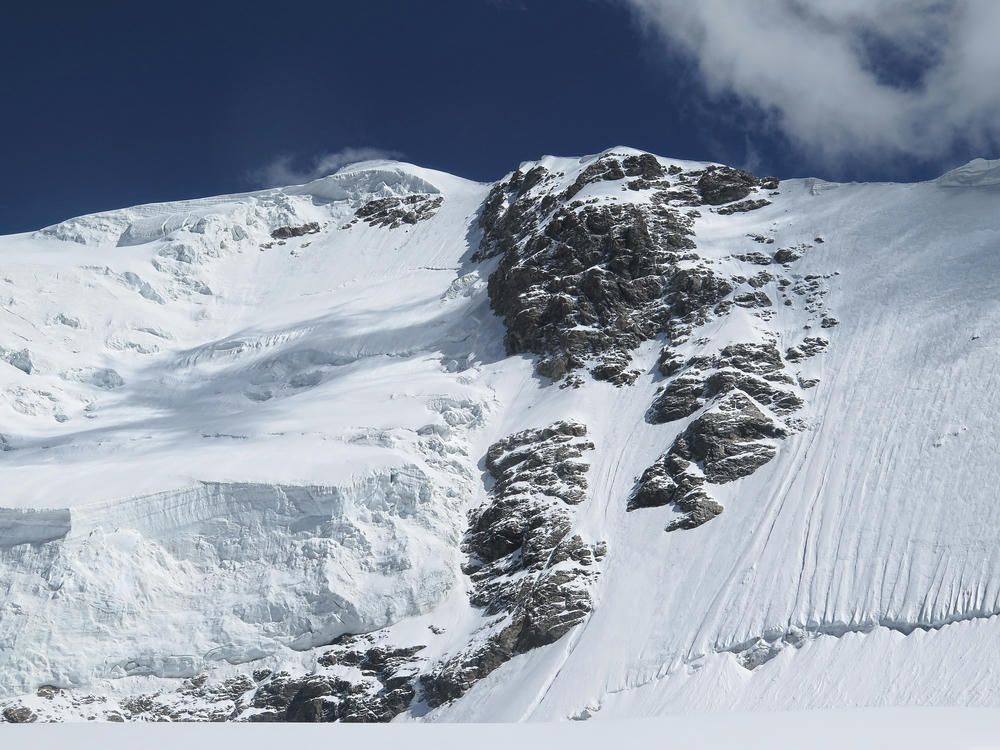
{"points": [[112, 104]]}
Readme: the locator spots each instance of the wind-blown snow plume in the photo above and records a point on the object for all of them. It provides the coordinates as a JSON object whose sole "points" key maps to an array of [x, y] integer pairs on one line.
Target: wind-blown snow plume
{"points": [[852, 78], [285, 170]]}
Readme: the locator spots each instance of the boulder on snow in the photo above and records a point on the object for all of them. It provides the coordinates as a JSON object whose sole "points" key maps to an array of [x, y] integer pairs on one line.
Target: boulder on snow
{"points": [[286, 233], [720, 185], [19, 714]]}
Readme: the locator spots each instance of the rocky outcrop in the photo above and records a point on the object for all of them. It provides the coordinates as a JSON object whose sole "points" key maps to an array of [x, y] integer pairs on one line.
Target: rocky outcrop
{"points": [[530, 571], [286, 233], [743, 206], [590, 287], [718, 185], [356, 679], [583, 283], [811, 289], [733, 436], [384, 690], [790, 254], [395, 212], [810, 347], [727, 442], [755, 369], [645, 167], [758, 259], [19, 714], [670, 482]]}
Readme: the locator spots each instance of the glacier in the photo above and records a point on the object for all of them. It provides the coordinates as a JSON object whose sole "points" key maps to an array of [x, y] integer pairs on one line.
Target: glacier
{"points": [[243, 435]]}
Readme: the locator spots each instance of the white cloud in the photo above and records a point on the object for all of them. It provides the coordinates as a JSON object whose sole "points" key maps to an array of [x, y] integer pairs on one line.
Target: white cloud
{"points": [[285, 170], [822, 70]]}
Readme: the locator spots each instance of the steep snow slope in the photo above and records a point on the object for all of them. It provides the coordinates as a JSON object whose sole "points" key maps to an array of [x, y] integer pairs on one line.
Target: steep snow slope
{"points": [[253, 437], [862, 559], [223, 452]]}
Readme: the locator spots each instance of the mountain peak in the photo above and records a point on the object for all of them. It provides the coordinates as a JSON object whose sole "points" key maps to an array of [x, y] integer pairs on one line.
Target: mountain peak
{"points": [[976, 173]]}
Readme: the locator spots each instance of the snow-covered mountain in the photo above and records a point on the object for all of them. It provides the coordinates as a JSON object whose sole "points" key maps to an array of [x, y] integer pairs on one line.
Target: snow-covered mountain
{"points": [[615, 436]]}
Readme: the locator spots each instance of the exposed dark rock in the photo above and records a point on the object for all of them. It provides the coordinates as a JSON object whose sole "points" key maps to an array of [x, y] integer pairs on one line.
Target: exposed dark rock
{"points": [[743, 206], [141, 706], [752, 368], [668, 362], [759, 259], [394, 212], [684, 196], [828, 322], [386, 690], [537, 473], [725, 443], [787, 254], [730, 439], [720, 185], [613, 369], [590, 286], [303, 699], [752, 299], [19, 714], [779, 400], [527, 566], [605, 168], [669, 482], [759, 359], [693, 291], [286, 233], [510, 213], [698, 507], [645, 166], [195, 700], [681, 398], [760, 651], [584, 283], [809, 347], [760, 279], [813, 289]]}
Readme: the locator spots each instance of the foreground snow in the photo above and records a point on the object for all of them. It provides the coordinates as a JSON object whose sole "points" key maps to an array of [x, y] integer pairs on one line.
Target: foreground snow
{"points": [[863, 729]]}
